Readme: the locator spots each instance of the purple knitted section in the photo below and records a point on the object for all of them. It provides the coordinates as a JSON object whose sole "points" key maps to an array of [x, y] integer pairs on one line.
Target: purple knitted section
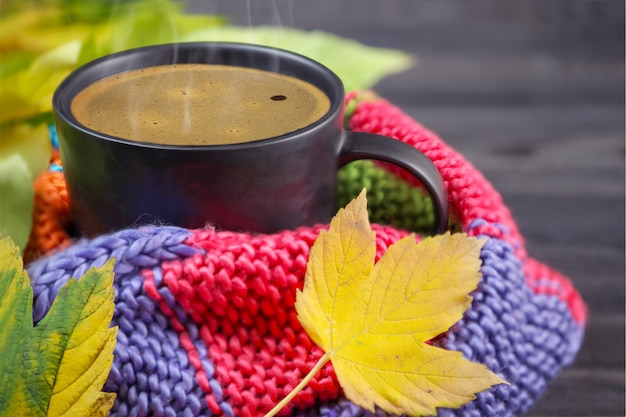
{"points": [[133, 249], [524, 337], [151, 371], [192, 330]]}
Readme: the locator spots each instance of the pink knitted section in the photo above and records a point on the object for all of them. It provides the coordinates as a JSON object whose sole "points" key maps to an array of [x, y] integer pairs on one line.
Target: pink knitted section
{"points": [[470, 195], [241, 296]]}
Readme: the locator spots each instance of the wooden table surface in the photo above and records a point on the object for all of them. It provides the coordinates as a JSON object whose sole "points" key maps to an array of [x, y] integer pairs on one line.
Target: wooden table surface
{"points": [[532, 93]]}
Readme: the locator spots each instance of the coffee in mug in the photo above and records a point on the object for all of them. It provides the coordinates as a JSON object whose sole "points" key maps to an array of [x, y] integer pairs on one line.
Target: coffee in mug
{"points": [[199, 104]]}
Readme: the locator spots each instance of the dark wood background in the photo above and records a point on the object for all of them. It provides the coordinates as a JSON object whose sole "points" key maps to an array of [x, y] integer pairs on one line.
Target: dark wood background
{"points": [[532, 93]]}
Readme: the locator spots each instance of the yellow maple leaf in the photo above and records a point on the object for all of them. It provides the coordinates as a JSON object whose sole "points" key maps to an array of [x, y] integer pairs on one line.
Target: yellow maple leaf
{"points": [[373, 320]]}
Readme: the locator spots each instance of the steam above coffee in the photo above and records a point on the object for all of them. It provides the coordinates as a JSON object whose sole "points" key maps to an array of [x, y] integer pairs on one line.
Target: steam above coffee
{"points": [[198, 104]]}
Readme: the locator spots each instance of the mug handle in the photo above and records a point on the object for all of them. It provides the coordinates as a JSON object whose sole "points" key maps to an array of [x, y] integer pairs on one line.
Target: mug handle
{"points": [[363, 145]]}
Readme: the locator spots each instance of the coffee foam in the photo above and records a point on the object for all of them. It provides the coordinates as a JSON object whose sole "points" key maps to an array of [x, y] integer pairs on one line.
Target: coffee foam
{"points": [[199, 104]]}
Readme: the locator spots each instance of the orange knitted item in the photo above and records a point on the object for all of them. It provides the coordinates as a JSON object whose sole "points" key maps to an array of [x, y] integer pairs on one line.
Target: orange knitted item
{"points": [[51, 214]]}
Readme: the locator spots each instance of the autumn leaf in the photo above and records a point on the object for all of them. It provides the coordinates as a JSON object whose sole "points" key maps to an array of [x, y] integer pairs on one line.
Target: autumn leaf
{"points": [[58, 367], [24, 153], [373, 320]]}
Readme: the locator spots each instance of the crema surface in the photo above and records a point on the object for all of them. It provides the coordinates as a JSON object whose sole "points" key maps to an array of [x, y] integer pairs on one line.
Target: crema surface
{"points": [[199, 104]]}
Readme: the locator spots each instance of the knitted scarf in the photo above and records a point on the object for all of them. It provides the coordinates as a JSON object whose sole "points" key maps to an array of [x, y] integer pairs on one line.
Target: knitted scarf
{"points": [[207, 325]]}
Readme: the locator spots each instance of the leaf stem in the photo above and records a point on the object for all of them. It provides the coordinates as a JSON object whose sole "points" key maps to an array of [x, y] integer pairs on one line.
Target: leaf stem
{"points": [[318, 366]]}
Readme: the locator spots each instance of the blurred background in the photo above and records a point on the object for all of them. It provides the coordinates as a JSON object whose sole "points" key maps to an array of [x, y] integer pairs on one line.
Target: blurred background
{"points": [[532, 93]]}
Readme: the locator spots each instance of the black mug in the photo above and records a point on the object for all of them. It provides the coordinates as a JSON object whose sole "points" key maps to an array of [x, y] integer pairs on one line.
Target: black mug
{"points": [[261, 186]]}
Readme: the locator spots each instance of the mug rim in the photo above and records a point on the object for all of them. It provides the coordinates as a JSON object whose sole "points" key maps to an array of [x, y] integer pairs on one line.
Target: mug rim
{"points": [[61, 100]]}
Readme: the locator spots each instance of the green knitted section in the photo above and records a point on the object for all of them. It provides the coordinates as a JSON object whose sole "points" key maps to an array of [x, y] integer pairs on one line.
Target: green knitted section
{"points": [[390, 200]]}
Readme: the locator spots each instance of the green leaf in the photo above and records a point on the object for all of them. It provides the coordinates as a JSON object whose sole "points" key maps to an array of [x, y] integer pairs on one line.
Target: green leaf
{"points": [[42, 43], [16, 301], [24, 153], [15, 62], [16, 199], [142, 23], [359, 66], [37, 28], [28, 93], [58, 367]]}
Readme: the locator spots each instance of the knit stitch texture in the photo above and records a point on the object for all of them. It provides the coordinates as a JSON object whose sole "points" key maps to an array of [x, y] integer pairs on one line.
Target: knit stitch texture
{"points": [[207, 324]]}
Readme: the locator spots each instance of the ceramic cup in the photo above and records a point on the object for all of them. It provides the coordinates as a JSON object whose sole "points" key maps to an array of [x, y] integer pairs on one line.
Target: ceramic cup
{"points": [[260, 187]]}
